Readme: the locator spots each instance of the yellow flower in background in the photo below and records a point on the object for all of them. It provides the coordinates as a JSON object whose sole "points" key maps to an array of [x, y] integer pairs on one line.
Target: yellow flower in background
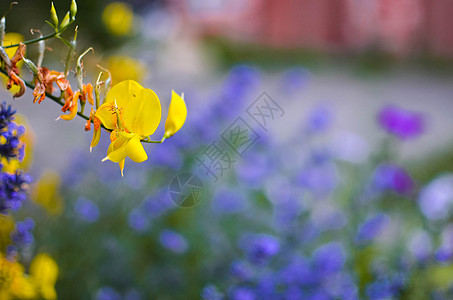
{"points": [[132, 113], [177, 114], [6, 227], [118, 17], [44, 273], [12, 38], [125, 68], [14, 283], [46, 192]]}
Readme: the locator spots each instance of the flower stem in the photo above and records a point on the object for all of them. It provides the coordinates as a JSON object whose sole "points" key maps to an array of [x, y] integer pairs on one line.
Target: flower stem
{"points": [[29, 42], [80, 114]]}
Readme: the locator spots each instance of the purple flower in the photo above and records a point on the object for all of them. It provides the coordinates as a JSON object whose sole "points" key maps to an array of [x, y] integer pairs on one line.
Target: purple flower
{"points": [[319, 178], [210, 292], [241, 293], [372, 226], [402, 123], [12, 190], [241, 270], [173, 241], [390, 177], [86, 210], [320, 119], [107, 293], [22, 234], [329, 258], [11, 146], [445, 252], [259, 247], [6, 115], [298, 272], [138, 221], [385, 288]]}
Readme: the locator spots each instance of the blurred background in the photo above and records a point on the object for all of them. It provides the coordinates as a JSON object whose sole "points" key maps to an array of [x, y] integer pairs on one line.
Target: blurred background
{"points": [[340, 189]]}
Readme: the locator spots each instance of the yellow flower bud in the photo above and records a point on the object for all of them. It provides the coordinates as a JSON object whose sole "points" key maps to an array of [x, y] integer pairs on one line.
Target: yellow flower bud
{"points": [[73, 9], [65, 21], [53, 15]]}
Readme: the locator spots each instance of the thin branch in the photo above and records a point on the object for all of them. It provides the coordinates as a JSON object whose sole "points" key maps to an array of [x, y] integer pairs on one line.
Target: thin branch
{"points": [[80, 114]]}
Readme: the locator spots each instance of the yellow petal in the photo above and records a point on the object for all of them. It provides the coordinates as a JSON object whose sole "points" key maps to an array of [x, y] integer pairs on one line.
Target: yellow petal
{"points": [[48, 292], [96, 138], [143, 112], [123, 92], [135, 151], [177, 114], [72, 113], [117, 150], [44, 270], [121, 163], [106, 115]]}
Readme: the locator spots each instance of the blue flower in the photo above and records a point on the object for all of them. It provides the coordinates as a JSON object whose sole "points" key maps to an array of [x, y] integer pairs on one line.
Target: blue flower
{"points": [[259, 247], [387, 287], [107, 293], [241, 270], [13, 189], [320, 119], [6, 115], [372, 227], [138, 221], [86, 210], [22, 234], [298, 272], [241, 293], [173, 241], [390, 177], [210, 292], [329, 258]]}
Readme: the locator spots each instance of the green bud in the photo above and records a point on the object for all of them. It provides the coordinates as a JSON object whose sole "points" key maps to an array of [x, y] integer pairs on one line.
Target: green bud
{"points": [[65, 21], [53, 15], [73, 9], [31, 66]]}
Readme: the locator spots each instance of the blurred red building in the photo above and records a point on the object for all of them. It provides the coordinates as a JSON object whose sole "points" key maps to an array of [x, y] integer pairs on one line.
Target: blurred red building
{"points": [[396, 26]]}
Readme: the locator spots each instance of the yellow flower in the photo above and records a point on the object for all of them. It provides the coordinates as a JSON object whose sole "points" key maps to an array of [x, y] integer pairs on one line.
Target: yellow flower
{"points": [[6, 227], [123, 68], [12, 38], [177, 114], [44, 273], [132, 113], [118, 17], [13, 282], [45, 193]]}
